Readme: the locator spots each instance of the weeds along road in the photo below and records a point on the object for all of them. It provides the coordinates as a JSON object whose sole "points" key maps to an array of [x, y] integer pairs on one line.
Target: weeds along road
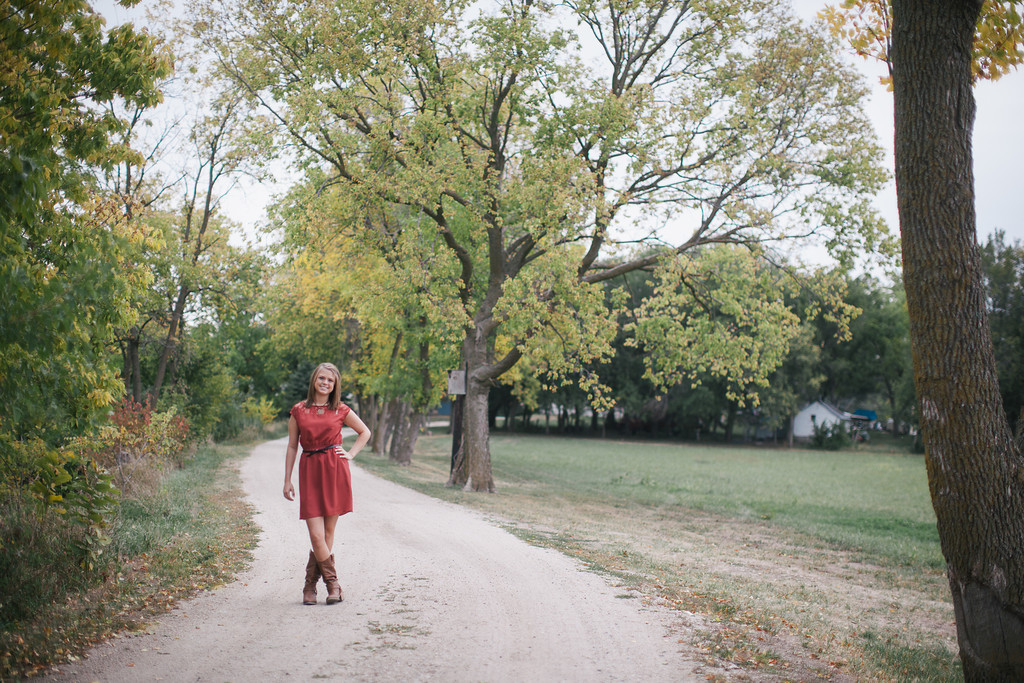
{"points": [[433, 592]]}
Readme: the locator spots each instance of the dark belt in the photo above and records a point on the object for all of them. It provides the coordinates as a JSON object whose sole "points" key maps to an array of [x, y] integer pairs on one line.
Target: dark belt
{"points": [[321, 450]]}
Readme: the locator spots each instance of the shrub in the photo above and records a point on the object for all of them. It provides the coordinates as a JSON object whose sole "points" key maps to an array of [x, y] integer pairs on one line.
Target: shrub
{"points": [[56, 507], [247, 420], [62, 482], [54, 510], [831, 436], [204, 390], [41, 558], [232, 424], [263, 410], [138, 444]]}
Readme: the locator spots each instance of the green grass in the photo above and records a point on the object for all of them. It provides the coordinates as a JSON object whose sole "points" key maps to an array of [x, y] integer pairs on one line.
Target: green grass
{"points": [[187, 525], [906, 663], [875, 503], [837, 550], [849, 497]]}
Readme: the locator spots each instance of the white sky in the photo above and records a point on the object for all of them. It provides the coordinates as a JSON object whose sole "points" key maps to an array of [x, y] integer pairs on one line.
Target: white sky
{"points": [[998, 144]]}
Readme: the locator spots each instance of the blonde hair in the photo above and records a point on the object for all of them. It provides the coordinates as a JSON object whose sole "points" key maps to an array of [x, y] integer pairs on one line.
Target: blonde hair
{"points": [[334, 398]]}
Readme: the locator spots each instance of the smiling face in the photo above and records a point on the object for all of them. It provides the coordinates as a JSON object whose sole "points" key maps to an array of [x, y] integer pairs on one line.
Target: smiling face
{"points": [[323, 385]]}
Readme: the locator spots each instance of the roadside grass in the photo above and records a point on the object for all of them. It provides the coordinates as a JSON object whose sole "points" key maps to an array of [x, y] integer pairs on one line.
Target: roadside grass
{"points": [[193, 532], [798, 564]]}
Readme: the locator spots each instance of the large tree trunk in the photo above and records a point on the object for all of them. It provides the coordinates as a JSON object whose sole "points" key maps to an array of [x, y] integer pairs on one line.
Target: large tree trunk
{"points": [[974, 467], [368, 412], [378, 417], [476, 440], [407, 426], [472, 469], [392, 407], [397, 418]]}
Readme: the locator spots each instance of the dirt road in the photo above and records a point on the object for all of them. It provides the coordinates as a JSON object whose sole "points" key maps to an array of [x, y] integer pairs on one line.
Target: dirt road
{"points": [[433, 592]]}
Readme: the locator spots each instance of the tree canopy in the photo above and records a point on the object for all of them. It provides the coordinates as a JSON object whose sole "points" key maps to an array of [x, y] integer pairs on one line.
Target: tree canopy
{"points": [[1003, 268], [533, 154], [866, 26], [64, 275]]}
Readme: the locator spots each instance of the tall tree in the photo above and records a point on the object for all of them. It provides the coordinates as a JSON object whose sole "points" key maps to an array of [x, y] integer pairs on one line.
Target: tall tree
{"points": [[193, 156], [531, 152], [975, 470], [874, 365], [219, 159], [387, 299], [137, 183], [63, 247]]}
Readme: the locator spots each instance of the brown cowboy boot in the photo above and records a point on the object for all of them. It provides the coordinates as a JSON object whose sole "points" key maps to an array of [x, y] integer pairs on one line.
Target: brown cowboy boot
{"points": [[312, 576], [331, 579]]}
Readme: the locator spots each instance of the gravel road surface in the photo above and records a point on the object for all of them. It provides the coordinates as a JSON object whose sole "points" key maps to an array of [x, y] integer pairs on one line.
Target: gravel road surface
{"points": [[433, 592]]}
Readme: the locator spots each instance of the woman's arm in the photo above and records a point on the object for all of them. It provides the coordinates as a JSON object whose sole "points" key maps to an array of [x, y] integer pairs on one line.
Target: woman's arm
{"points": [[362, 434], [289, 457]]}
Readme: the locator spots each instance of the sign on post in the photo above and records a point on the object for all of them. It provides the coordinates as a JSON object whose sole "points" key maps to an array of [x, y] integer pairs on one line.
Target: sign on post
{"points": [[457, 382]]}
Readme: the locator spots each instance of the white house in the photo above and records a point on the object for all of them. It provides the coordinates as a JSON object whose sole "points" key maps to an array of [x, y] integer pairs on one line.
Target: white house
{"points": [[817, 413]]}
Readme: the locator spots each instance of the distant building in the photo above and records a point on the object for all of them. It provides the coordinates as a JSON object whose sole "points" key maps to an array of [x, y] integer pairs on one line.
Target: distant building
{"points": [[818, 413]]}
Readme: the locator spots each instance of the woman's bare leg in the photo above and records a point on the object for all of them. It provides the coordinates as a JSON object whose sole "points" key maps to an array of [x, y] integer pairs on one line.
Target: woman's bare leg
{"points": [[321, 535], [330, 524], [315, 525]]}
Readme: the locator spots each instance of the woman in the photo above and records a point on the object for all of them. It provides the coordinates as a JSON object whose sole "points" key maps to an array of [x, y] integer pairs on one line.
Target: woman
{"points": [[325, 483]]}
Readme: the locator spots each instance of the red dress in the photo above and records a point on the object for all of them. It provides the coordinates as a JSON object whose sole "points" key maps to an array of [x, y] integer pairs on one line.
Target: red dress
{"points": [[325, 482]]}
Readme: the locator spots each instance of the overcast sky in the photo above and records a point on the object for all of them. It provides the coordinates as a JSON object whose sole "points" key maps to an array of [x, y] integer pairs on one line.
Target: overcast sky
{"points": [[998, 144]]}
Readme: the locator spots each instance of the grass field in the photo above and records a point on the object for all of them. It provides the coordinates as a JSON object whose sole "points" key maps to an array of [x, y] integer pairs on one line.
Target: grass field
{"points": [[794, 564]]}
